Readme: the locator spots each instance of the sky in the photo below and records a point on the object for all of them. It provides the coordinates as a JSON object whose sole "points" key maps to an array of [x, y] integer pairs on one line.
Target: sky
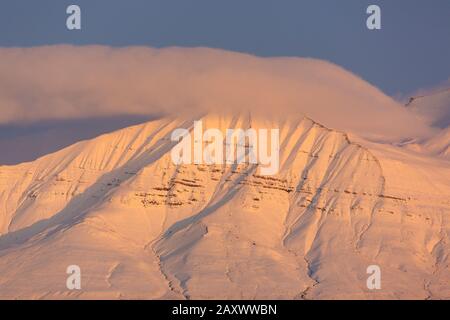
{"points": [[411, 51]]}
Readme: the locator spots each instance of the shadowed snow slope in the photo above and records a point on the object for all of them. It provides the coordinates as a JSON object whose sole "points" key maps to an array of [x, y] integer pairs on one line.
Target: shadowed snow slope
{"points": [[141, 227]]}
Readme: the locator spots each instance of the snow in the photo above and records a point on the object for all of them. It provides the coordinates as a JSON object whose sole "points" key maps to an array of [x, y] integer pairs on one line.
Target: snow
{"points": [[141, 227]]}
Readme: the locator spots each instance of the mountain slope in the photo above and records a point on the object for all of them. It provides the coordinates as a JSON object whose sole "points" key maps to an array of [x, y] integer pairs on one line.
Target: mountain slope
{"points": [[141, 227]]}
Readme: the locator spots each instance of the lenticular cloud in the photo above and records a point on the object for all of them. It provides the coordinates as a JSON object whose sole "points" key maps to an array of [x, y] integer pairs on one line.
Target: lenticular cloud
{"points": [[66, 82]]}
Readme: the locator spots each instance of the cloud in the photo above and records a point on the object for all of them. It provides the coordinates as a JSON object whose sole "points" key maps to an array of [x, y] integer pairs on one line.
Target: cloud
{"points": [[427, 91], [70, 82], [433, 106]]}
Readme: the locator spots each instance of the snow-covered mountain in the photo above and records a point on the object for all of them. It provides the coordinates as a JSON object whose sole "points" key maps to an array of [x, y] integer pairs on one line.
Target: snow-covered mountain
{"points": [[141, 227]]}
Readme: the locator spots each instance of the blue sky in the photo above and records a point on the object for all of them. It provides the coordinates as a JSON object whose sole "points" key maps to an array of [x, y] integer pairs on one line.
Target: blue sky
{"points": [[410, 52]]}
